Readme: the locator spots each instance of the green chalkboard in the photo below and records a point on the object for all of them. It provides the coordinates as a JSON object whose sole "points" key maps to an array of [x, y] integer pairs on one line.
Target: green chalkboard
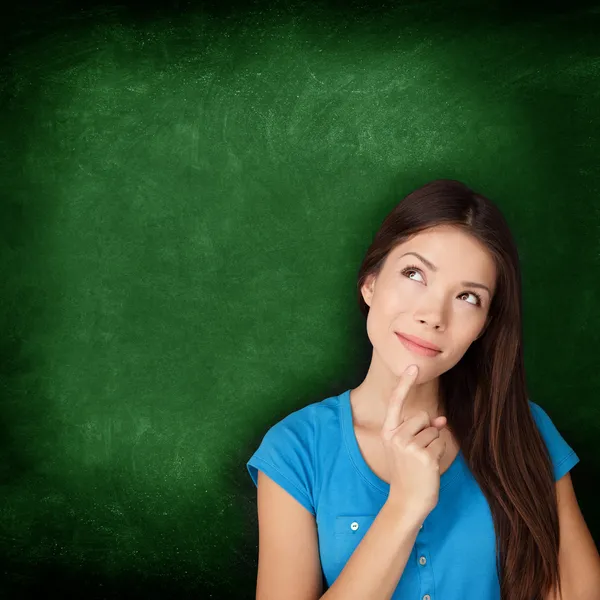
{"points": [[187, 195]]}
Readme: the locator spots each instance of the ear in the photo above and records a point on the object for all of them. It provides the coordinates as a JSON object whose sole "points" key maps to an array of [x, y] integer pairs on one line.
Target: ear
{"points": [[368, 288]]}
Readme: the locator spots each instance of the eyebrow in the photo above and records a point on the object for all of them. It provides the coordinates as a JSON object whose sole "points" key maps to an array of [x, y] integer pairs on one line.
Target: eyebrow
{"points": [[430, 265]]}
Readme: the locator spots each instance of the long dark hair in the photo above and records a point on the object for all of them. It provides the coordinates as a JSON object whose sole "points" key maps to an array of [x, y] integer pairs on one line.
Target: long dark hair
{"points": [[485, 394]]}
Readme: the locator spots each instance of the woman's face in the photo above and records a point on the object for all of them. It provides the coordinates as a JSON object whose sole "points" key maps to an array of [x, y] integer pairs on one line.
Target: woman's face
{"points": [[430, 301]]}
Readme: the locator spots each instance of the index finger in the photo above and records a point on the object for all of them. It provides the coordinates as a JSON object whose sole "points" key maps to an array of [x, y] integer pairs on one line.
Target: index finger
{"points": [[393, 417]]}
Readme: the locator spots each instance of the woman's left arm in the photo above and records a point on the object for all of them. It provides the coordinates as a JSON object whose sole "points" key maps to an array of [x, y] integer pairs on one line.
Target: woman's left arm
{"points": [[579, 561]]}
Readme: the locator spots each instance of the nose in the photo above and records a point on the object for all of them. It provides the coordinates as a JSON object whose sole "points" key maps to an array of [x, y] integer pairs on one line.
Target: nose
{"points": [[432, 317], [437, 326]]}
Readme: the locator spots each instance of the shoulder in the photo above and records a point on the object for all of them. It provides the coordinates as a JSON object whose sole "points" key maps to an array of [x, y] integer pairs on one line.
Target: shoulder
{"points": [[287, 451], [542, 419]]}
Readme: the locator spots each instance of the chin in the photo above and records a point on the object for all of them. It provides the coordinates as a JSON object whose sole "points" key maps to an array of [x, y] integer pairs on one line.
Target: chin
{"points": [[423, 376]]}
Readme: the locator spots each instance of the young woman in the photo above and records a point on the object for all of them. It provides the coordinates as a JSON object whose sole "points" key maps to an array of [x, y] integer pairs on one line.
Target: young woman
{"points": [[445, 484]]}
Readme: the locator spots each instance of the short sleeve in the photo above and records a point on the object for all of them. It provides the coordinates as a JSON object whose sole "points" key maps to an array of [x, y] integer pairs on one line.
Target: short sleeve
{"points": [[563, 456], [286, 456]]}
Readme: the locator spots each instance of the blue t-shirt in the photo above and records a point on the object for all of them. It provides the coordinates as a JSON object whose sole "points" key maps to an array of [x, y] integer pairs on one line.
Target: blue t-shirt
{"points": [[314, 455]]}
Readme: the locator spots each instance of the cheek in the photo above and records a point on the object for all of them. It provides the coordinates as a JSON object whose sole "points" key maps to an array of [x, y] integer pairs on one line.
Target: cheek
{"points": [[459, 345], [379, 327], [372, 326], [464, 333]]}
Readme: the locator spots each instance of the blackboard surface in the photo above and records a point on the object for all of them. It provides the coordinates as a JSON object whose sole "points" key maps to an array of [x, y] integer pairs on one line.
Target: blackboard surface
{"points": [[187, 193]]}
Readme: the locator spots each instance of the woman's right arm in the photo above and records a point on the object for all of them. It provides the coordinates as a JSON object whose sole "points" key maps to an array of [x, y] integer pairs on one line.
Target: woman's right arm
{"points": [[376, 565]]}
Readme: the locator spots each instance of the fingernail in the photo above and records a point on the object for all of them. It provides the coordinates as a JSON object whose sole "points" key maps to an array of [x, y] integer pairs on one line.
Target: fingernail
{"points": [[411, 370]]}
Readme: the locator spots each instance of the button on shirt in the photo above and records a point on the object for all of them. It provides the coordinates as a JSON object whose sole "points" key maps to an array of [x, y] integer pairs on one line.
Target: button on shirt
{"points": [[314, 455]]}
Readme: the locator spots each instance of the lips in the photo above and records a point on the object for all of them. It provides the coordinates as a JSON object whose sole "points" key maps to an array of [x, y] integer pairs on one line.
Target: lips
{"points": [[419, 341]]}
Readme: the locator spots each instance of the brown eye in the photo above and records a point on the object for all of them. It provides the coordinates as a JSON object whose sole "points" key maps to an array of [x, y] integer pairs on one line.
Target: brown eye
{"points": [[477, 296], [410, 269]]}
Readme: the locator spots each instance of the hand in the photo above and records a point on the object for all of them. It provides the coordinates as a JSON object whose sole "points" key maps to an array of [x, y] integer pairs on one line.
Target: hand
{"points": [[413, 451]]}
